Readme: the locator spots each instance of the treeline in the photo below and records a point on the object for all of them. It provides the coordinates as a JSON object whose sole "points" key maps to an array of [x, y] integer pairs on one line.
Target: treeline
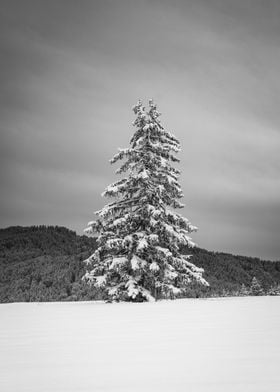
{"points": [[233, 275], [45, 263], [42, 263]]}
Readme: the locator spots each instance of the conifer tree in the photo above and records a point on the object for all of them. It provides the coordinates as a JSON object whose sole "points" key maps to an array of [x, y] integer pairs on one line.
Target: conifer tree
{"points": [[244, 290], [256, 288], [140, 235]]}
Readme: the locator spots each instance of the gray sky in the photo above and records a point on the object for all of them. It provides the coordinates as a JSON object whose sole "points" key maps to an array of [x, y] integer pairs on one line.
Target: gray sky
{"points": [[71, 71]]}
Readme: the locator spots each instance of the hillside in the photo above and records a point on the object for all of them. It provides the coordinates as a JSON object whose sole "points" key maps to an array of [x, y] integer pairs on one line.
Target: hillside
{"points": [[41, 263]]}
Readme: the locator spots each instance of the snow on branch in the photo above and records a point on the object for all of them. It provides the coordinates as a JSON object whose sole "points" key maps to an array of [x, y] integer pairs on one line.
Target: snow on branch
{"points": [[140, 236]]}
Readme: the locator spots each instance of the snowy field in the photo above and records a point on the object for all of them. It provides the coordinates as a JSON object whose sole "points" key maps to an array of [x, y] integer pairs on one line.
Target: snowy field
{"points": [[212, 345]]}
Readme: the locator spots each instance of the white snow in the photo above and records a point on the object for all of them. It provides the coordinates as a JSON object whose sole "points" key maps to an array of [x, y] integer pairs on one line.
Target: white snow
{"points": [[117, 261], [120, 221], [100, 280], [142, 244], [154, 266], [137, 262], [165, 251], [212, 345], [143, 174]]}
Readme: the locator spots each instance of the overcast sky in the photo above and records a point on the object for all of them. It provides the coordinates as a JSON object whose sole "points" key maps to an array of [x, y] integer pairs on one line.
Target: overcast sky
{"points": [[71, 71]]}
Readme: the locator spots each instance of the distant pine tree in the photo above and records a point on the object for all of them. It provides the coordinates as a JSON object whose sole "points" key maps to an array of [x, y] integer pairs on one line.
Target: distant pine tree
{"points": [[274, 290], [256, 288], [244, 290], [138, 256]]}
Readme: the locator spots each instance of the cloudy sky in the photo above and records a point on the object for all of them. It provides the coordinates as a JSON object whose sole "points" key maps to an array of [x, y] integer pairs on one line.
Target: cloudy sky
{"points": [[71, 71]]}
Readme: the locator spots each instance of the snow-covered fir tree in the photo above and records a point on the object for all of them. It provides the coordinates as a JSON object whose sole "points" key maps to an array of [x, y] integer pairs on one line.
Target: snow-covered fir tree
{"points": [[140, 235], [244, 290], [256, 288]]}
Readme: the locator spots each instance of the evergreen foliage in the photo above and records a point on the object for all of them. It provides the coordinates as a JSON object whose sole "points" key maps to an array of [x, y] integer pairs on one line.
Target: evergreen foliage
{"points": [[139, 254], [43, 263], [274, 290], [256, 288], [244, 290], [226, 272]]}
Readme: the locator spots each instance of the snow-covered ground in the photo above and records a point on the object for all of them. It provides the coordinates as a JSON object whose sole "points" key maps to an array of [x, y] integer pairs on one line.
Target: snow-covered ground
{"points": [[213, 345]]}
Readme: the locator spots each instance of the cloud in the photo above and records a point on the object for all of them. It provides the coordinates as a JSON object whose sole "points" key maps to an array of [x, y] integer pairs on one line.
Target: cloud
{"points": [[70, 74]]}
